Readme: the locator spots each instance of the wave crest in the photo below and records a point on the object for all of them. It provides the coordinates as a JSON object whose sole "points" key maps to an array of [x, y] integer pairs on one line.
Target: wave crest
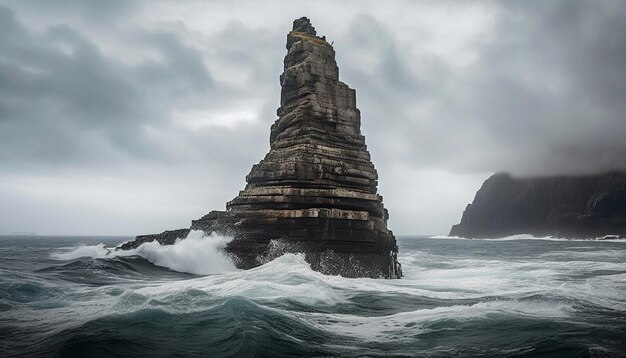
{"points": [[198, 253]]}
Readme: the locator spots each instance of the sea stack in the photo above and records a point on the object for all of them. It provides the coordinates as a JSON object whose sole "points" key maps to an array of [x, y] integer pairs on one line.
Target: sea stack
{"points": [[315, 192]]}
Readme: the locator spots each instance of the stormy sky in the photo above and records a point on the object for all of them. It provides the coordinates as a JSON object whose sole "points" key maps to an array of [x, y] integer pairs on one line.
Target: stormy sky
{"points": [[123, 117]]}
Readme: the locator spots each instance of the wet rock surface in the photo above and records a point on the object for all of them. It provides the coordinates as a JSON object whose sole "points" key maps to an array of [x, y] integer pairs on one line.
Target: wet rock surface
{"points": [[315, 191], [567, 206]]}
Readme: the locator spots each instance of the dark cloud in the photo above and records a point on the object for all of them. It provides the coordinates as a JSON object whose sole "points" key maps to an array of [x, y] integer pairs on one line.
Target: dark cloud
{"points": [[544, 96], [63, 101], [94, 12]]}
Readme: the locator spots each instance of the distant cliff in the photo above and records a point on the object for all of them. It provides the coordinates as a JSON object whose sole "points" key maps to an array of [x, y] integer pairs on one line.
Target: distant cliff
{"points": [[565, 206]]}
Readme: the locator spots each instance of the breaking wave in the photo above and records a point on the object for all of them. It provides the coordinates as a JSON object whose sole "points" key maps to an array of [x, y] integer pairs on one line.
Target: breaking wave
{"points": [[198, 253]]}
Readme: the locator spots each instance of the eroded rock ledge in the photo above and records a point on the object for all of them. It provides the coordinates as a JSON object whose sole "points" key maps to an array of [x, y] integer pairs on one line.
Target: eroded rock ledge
{"points": [[566, 206], [316, 189]]}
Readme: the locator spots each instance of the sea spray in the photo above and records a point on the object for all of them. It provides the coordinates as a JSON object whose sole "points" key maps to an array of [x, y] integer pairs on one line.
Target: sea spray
{"points": [[198, 253], [94, 251]]}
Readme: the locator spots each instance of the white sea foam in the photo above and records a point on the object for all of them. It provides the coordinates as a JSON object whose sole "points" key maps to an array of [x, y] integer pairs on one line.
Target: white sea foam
{"points": [[405, 325], [287, 277], [197, 254], [606, 238], [71, 253], [446, 237]]}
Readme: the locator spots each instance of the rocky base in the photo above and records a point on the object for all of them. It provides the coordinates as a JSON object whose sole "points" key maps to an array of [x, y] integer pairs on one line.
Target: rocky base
{"points": [[342, 249], [567, 206]]}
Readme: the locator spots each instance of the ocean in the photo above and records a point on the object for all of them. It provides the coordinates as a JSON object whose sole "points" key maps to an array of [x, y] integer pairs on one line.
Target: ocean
{"points": [[513, 297]]}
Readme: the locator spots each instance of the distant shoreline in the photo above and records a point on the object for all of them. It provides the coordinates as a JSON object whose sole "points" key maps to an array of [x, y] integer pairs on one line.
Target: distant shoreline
{"points": [[60, 235]]}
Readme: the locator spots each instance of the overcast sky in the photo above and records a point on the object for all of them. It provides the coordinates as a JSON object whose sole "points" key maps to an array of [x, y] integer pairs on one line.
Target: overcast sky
{"points": [[122, 117]]}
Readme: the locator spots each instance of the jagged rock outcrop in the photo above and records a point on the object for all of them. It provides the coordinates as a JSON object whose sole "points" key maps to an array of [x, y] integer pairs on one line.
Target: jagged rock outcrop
{"points": [[566, 206], [316, 190]]}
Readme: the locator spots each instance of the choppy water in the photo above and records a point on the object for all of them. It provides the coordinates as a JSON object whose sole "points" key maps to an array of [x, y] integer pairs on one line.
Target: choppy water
{"points": [[64, 296]]}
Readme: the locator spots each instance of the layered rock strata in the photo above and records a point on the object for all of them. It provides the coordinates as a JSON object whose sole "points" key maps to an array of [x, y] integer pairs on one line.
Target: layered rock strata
{"points": [[567, 206], [315, 191]]}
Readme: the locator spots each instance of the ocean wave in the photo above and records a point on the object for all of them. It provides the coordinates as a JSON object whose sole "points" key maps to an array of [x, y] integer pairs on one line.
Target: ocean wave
{"points": [[71, 253], [98, 300], [399, 326], [197, 254], [288, 278], [233, 327]]}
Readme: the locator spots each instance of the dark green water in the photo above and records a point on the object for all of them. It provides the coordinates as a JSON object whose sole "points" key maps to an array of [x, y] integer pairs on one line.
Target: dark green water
{"points": [[499, 298]]}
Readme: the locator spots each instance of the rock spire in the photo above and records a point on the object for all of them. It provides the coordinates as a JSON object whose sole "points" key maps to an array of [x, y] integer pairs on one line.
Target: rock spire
{"points": [[315, 191]]}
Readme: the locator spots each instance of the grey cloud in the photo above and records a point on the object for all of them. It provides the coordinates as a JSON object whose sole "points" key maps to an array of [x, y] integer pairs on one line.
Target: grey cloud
{"points": [[573, 55], [64, 101], [183, 72], [92, 11], [388, 76], [545, 95]]}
